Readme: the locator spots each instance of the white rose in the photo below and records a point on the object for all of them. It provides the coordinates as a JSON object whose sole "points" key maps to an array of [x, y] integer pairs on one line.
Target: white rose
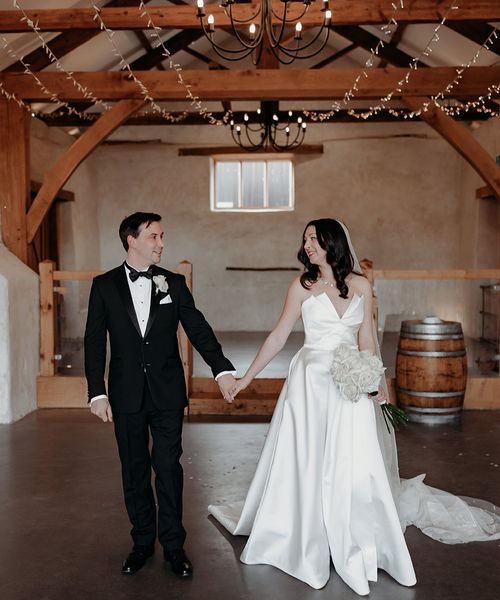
{"points": [[161, 284]]}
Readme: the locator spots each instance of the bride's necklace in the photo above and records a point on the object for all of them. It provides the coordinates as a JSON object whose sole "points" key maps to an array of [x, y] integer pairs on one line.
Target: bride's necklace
{"points": [[327, 283]]}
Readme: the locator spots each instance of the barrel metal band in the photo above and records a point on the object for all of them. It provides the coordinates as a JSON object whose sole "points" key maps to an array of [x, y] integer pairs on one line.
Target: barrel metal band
{"points": [[431, 328], [430, 394], [423, 336], [417, 409], [449, 354]]}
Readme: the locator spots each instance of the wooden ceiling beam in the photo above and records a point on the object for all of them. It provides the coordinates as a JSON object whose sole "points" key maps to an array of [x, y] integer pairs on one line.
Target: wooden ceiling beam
{"points": [[462, 140], [345, 12], [395, 39], [174, 44], [389, 52], [211, 150], [367, 41], [335, 56], [265, 84], [62, 44], [194, 118], [476, 32], [57, 176]]}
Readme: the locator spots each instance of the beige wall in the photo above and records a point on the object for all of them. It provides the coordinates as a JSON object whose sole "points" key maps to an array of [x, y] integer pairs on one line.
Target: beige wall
{"points": [[479, 219], [402, 190]]}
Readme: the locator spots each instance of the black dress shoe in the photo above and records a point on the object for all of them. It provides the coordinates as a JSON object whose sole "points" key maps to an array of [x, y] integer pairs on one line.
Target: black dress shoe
{"points": [[135, 561], [180, 563]]}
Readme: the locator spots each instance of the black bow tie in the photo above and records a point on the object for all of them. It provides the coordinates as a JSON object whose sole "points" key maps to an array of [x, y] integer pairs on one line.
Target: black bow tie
{"points": [[134, 274]]}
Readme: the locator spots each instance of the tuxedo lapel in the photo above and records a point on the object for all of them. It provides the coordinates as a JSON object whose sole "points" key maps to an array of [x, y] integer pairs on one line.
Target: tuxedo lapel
{"points": [[153, 308], [121, 283]]}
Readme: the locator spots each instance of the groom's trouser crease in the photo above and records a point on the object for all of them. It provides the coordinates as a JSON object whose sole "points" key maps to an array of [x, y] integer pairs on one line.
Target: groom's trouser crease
{"points": [[132, 436]]}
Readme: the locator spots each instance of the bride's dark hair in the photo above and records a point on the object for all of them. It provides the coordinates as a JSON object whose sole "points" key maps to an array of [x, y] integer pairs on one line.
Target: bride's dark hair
{"points": [[332, 238]]}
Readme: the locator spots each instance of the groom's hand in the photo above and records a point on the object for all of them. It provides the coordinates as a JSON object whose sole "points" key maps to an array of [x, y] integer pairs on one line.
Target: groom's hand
{"points": [[227, 383], [102, 409]]}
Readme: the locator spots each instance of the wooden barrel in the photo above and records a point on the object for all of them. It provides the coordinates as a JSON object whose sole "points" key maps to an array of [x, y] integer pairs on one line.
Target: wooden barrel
{"points": [[431, 370]]}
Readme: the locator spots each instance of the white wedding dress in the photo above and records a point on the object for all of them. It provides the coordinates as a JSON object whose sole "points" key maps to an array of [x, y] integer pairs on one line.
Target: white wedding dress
{"points": [[322, 489]]}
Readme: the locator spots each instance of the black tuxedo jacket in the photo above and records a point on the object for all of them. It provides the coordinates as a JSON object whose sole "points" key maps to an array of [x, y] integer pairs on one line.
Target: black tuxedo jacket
{"points": [[154, 357]]}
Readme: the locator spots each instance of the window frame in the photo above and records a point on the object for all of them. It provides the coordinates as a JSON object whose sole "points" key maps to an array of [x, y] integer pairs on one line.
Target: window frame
{"points": [[241, 158]]}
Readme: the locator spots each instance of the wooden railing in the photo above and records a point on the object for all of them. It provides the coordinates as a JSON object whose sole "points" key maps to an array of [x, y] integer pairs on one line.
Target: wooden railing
{"points": [[203, 392]]}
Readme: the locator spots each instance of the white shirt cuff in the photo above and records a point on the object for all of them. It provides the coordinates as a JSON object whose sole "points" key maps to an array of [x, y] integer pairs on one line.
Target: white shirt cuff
{"points": [[98, 398], [233, 373]]}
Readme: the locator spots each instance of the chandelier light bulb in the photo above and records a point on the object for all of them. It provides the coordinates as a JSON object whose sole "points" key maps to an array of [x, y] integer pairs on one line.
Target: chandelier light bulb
{"points": [[245, 117], [264, 27], [290, 113], [211, 23], [299, 120]]}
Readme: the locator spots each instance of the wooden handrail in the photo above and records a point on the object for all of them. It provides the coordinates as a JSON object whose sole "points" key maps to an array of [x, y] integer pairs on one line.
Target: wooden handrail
{"points": [[48, 277]]}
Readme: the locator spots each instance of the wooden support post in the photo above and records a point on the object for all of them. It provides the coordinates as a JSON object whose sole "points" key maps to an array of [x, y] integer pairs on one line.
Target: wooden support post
{"points": [[57, 176], [47, 318], [14, 176], [461, 139], [186, 268]]}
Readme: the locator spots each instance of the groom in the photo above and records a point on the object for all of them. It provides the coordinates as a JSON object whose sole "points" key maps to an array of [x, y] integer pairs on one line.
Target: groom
{"points": [[140, 305]]}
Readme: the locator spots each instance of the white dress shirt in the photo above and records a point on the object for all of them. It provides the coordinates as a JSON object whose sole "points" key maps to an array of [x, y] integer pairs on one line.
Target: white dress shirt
{"points": [[140, 290]]}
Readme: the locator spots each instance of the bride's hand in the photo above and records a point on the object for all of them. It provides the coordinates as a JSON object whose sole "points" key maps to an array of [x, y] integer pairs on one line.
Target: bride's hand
{"points": [[381, 396], [241, 384]]}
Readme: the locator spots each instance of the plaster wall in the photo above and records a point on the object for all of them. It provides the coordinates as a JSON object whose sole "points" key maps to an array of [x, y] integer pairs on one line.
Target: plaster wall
{"points": [[19, 327], [479, 218], [77, 221], [394, 186]]}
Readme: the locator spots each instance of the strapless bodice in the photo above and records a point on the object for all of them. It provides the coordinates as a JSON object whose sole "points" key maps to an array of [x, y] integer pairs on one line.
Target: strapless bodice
{"points": [[324, 328]]}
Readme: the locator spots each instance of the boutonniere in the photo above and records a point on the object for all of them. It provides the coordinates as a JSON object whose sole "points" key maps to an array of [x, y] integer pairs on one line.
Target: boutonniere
{"points": [[161, 284]]}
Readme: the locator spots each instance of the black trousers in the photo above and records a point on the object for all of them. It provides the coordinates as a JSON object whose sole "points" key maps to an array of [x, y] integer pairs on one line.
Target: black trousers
{"points": [[132, 435]]}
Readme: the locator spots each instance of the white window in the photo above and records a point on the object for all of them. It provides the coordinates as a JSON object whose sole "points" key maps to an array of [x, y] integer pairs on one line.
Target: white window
{"points": [[252, 184]]}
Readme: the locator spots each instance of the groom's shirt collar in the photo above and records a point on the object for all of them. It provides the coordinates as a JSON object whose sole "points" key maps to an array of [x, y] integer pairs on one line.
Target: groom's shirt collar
{"points": [[140, 290]]}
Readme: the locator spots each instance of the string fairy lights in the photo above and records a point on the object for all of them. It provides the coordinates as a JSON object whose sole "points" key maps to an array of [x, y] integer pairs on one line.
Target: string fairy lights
{"points": [[126, 66], [86, 93], [194, 100], [51, 96], [440, 100]]}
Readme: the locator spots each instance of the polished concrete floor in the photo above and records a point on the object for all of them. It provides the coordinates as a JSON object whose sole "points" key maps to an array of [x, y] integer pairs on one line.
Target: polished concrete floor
{"points": [[64, 533]]}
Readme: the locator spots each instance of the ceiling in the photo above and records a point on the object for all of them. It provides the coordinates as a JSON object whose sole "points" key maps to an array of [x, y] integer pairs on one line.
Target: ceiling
{"points": [[458, 42]]}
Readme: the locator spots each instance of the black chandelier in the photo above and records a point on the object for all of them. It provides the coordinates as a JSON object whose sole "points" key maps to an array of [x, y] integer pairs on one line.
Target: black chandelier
{"points": [[261, 32], [268, 130]]}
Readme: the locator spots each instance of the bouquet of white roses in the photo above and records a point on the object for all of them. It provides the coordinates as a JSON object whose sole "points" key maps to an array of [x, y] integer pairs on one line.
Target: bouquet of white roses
{"points": [[359, 372]]}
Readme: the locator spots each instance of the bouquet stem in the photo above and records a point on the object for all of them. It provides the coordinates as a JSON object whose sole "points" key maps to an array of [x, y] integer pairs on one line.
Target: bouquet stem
{"points": [[393, 415]]}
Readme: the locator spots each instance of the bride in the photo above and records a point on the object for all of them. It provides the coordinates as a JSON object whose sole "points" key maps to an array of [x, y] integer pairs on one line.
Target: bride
{"points": [[327, 482]]}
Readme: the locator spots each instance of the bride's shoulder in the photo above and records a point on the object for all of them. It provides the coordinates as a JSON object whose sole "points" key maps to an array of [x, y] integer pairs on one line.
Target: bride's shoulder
{"points": [[297, 290], [359, 284]]}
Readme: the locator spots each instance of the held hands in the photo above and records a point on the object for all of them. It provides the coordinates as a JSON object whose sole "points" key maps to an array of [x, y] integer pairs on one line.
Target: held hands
{"points": [[102, 409], [232, 387], [226, 385]]}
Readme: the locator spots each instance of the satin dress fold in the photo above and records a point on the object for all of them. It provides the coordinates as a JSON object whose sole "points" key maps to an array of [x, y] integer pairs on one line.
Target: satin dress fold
{"points": [[320, 492]]}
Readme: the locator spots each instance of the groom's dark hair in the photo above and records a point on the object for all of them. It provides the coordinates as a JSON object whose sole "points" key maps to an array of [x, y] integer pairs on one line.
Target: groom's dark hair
{"points": [[131, 225]]}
